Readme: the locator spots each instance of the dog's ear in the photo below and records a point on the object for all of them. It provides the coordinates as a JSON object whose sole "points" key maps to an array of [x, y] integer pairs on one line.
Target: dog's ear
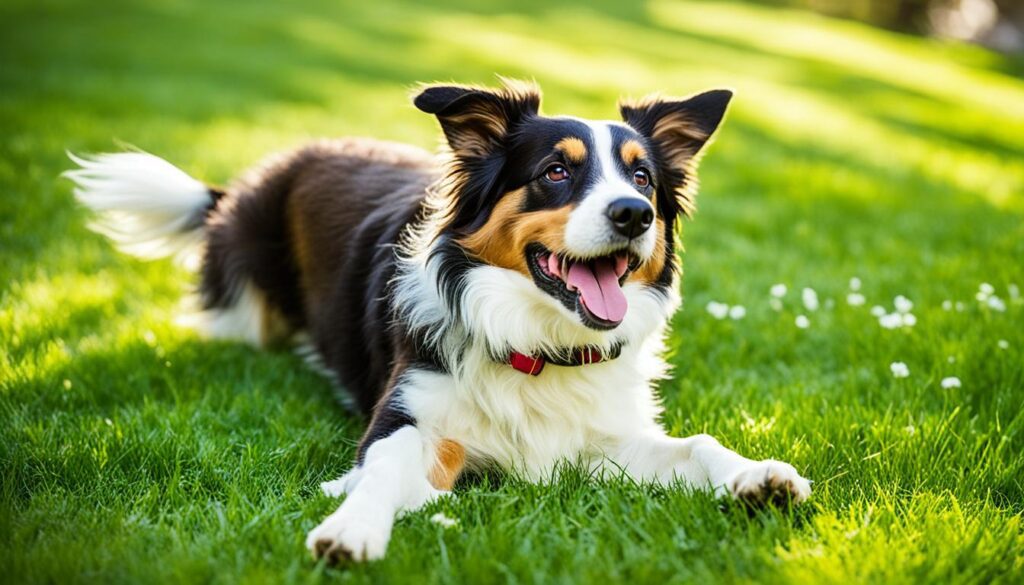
{"points": [[678, 130], [476, 120]]}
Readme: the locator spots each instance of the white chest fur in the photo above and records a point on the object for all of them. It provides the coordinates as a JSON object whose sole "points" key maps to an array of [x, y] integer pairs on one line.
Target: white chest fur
{"points": [[531, 423]]}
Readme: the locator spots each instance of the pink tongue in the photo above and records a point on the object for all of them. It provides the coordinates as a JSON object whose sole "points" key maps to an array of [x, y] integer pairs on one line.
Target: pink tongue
{"points": [[599, 289]]}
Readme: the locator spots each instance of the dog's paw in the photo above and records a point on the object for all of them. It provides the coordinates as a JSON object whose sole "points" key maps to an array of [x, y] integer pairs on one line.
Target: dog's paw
{"points": [[769, 482], [345, 537]]}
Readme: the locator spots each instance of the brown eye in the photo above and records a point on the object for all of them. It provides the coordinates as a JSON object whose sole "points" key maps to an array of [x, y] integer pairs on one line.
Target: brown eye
{"points": [[641, 178], [556, 173]]}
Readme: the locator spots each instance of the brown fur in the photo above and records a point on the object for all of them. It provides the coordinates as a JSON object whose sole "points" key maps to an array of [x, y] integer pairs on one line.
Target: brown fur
{"points": [[573, 149], [451, 459], [631, 152], [502, 240], [650, 271]]}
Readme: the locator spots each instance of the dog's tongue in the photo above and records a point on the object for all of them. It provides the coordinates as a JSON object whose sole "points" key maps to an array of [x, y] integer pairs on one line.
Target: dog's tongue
{"points": [[599, 288]]}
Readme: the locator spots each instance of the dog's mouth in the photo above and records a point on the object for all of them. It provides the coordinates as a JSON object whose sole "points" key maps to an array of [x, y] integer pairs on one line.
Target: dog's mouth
{"points": [[592, 287]]}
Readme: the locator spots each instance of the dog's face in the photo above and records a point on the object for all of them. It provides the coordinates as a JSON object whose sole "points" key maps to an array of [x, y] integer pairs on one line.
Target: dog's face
{"points": [[579, 207]]}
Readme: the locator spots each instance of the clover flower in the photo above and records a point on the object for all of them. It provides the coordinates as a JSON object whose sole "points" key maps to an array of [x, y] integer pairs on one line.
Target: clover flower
{"points": [[737, 312], [902, 304], [899, 369], [1003, 344], [996, 304], [950, 382], [779, 290], [891, 321], [855, 284], [855, 299], [443, 520], [802, 322], [810, 299], [947, 305], [902, 317], [775, 304], [718, 310]]}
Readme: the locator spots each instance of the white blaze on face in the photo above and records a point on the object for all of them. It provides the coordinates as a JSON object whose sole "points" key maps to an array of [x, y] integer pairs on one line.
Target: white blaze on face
{"points": [[589, 232]]}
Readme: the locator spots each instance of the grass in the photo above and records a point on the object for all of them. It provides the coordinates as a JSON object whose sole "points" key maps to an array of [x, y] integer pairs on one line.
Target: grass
{"points": [[131, 451]]}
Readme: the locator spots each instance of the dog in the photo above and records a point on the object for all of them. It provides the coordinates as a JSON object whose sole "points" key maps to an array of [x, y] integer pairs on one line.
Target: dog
{"points": [[500, 305]]}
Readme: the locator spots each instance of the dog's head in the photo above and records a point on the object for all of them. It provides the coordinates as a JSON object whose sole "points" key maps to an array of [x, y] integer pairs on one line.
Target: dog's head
{"points": [[581, 208]]}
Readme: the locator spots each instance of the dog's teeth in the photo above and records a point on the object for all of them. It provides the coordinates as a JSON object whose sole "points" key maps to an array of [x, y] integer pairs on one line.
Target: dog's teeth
{"points": [[565, 267], [552, 265]]}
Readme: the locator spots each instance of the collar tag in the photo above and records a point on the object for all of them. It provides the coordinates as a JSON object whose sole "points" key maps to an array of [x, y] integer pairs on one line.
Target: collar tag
{"points": [[526, 364]]}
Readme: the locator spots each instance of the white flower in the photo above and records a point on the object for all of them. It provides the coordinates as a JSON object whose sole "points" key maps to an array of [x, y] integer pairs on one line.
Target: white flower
{"points": [[891, 321], [810, 298], [878, 311], [443, 520], [951, 359], [779, 290], [950, 382], [910, 430], [1003, 344], [909, 320], [855, 299], [986, 288], [902, 304], [959, 307], [855, 284], [737, 312], [1014, 291], [947, 305], [775, 304], [982, 297], [718, 310], [802, 322], [996, 304], [899, 369]]}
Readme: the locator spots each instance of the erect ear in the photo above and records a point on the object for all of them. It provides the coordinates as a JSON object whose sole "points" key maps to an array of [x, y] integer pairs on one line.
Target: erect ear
{"points": [[476, 120], [678, 130]]}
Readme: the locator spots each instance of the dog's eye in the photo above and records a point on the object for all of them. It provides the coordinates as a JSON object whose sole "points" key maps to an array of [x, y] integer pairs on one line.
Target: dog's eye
{"points": [[641, 177], [556, 173]]}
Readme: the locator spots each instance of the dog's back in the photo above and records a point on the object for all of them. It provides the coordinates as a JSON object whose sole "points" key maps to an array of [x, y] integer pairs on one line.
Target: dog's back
{"points": [[305, 241]]}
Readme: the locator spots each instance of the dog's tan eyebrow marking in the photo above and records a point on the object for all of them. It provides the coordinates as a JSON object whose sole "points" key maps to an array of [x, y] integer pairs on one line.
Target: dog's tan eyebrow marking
{"points": [[451, 458], [632, 151], [573, 149]]}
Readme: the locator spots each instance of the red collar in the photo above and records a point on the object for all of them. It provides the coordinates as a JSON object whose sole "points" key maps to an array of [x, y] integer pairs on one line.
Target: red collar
{"points": [[580, 356]]}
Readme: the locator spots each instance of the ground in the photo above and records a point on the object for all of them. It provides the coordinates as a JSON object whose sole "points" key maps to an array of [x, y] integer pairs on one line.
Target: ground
{"points": [[133, 451]]}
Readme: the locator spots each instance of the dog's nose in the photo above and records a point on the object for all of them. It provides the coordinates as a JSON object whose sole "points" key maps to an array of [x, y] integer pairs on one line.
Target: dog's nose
{"points": [[631, 216]]}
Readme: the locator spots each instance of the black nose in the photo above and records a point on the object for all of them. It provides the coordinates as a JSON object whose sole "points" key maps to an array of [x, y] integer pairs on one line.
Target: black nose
{"points": [[630, 216]]}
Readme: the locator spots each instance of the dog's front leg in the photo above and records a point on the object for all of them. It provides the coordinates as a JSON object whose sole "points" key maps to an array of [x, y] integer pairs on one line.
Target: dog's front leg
{"points": [[703, 463], [393, 477]]}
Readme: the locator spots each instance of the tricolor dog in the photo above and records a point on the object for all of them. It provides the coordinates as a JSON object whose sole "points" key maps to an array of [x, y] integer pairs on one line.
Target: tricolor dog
{"points": [[501, 305]]}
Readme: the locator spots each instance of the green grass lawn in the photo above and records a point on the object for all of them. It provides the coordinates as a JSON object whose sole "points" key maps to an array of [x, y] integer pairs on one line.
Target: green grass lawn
{"points": [[133, 451]]}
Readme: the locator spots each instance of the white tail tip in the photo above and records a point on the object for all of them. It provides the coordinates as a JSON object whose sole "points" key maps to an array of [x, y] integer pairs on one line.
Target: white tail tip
{"points": [[148, 207]]}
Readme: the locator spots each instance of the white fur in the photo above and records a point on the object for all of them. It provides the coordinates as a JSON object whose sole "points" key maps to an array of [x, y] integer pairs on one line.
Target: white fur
{"points": [[588, 232], [152, 209], [143, 203], [245, 320], [602, 415], [392, 479]]}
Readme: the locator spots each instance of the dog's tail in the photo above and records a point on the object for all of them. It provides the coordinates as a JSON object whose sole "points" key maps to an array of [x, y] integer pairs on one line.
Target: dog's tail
{"points": [[148, 207]]}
